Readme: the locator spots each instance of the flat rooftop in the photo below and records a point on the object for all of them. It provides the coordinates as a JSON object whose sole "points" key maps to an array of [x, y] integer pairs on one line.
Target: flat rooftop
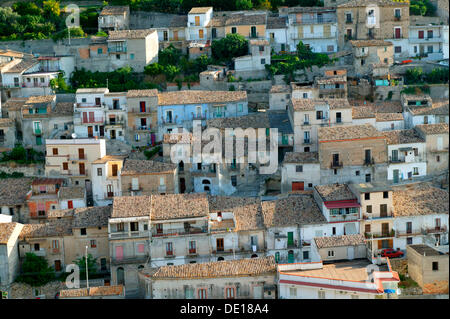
{"points": [[426, 250], [355, 270]]}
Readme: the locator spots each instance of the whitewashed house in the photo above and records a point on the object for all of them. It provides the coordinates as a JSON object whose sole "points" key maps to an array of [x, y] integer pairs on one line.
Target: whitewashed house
{"points": [[116, 115], [300, 171], [71, 197], [89, 112]]}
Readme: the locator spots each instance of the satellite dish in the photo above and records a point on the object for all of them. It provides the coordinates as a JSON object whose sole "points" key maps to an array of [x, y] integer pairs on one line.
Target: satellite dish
{"points": [[219, 219], [74, 135]]}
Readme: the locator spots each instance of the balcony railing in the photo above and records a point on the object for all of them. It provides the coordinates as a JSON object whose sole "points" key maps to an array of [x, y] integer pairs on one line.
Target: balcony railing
{"points": [[344, 217], [369, 216], [336, 164], [369, 161], [381, 234], [407, 233], [315, 20], [398, 160], [180, 232], [129, 234], [434, 230], [129, 259], [253, 34], [92, 120], [41, 252], [306, 141]]}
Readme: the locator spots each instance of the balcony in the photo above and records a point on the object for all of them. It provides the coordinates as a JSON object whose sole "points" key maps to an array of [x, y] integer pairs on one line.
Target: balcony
{"points": [[315, 20], [348, 21], [408, 233], [378, 235], [95, 120], [119, 121], [434, 230], [344, 217], [369, 216], [129, 234], [133, 259], [369, 161], [315, 35], [223, 251], [306, 123], [397, 160], [41, 252], [336, 165], [180, 232], [360, 53], [426, 40], [253, 35], [142, 127], [37, 132], [397, 17], [307, 141]]}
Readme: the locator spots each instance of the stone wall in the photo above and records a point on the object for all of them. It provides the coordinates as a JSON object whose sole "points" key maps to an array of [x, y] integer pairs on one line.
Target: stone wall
{"points": [[436, 287], [399, 265], [24, 291], [27, 170]]}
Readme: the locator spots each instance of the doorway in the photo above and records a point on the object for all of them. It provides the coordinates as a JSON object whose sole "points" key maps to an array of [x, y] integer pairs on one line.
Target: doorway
{"points": [[182, 185], [112, 133], [90, 131], [298, 186]]}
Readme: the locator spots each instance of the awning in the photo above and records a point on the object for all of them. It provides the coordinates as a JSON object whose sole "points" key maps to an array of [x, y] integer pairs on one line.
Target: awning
{"points": [[350, 229], [341, 205]]}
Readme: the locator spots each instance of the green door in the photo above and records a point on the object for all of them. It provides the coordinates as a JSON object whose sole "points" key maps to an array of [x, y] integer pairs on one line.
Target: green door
{"points": [[284, 139], [290, 239], [395, 175], [290, 257]]}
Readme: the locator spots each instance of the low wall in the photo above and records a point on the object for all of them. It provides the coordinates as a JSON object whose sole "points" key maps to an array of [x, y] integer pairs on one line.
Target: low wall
{"points": [[24, 291], [27, 170]]}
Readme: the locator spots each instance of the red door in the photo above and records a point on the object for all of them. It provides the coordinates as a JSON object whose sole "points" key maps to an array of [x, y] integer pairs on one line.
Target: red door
{"points": [[91, 117], [82, 170], [90, 131], [298, 186], [142, 106], [397, 33], [70, 204], [421, 33], [85, 117]]}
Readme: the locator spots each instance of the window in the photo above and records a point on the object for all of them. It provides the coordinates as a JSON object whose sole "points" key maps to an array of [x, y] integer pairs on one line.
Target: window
{"points": [[261, 48], [363, 61], [438, 158], [240, 108], [305, 96], [369, 209], [229, 293], [83, 231], [234, 180], [435, 265], [201, 293], [367, 196], [321, 294], [415, 49], [114, 169], [233, 30], [310, 185], [293, 292], [70, 204], [398, 49], [134, 226], [99, 171], [263, 61], [100, 51], [331, 253], [333, 231], [430, 49], [169, 249], [357, 173], [55, 244], [319, 115], [348, 17], [93, 243], [299, 168], [409, 241], [397, 13], [430, 34], [131, 56], [117, 56], [385, 194], [415, 171], [367, 228], [55, 151], [192, 247], [219, 244], [368, 178]]}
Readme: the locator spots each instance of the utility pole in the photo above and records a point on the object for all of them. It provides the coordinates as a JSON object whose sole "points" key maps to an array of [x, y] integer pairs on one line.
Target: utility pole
{"points": [[87, 278]]}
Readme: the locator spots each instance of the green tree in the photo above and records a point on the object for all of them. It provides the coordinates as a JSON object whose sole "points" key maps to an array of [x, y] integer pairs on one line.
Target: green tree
{"points": [[35, 271], [233, 45], [51, 8], [169, 55], [91, 264], [244, 4], [24, 8], [171, 71], [414, 76], [154, 69]]}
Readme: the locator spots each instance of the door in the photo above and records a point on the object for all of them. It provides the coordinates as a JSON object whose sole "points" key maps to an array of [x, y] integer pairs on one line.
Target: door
{"points": [[109, 191], [182, 185], [397, 33], [409, 227], [335, 160], [338, 117], [85, 117], [368, 156], [298, 186], [421, 34], [219, 244], [57, 265], [253, 30], [290, 256], [97, 101], [394, 155], [113, 134], [200, 33], [383, 210], [142, 106], [175, 35], [102, 130], [91, 117], [81, 153], [70, 204], [119, 252], [120, 276], [90, 131], [114, 169], [197, 20], [82, 169], [385, 229], [395, 172], [290, 239], [350, 253]]}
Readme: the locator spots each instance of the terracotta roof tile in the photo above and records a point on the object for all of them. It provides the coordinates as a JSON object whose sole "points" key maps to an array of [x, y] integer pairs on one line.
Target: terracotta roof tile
{"points": [[339, 241], [280, 89], [174, 138], [172, 206], [63, 108], [13, 191], [22, 66], [114, 10], [370, 43], [386, 117], [225, 268], [301, 157], [258, 120], [334, 192], [402, 137], [137, 167], [197, 10], [197, 97], [129, 34], [310, 104], [6, 230], [363, 3], [131, 206], [363, 112], [347, 132], [52, 228], [432, 129], [142, 93], [276, 23], [71, 192], [96, 216]]}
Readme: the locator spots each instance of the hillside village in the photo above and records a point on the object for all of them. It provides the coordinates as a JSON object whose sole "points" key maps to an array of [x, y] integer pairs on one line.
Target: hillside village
{"points": [[351, 96]]}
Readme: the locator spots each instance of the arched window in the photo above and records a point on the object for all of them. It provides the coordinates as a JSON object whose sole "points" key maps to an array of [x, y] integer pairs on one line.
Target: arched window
{"points": [[181, 166], [277, 256], [120, 276], [205, 181], [254, 256]]}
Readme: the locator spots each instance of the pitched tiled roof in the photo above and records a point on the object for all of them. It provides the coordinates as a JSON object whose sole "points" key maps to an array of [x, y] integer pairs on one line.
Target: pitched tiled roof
{"points": [[246, 210], [362, 112], [114, 10], [334, 192], [47, 181], [179, 21], [370, 43], [60, 213], [131, 206], [310, 104], [276, 23], [52, 228], [136, 167], [129, 34], [22, 66], [63, 108], [387, 117], [290, 211], [6, 230], [14, 103], [4, 122], [41, 99], [301, 157], [339, 241], [92, 291], [173, 206], [435, 109], [421, 199], [197, 10], [363, 3], [431, 129], [71, 192], [225, 268], [257, 120], [92, 90], [13, 191], [197, 97], [246, 19], [96, 216], [331, 79], [280, 89], [402, 137], [108, 158], [174, 138], [347, 132], [142, 93]]}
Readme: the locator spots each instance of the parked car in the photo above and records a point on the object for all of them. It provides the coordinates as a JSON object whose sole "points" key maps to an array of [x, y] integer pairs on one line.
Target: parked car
{"points": [[391, 253]]}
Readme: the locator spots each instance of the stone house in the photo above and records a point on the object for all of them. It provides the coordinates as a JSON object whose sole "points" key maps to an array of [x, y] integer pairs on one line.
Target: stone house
{"points": [[7, 134], [253, 64], [337, 248], [420, 109], [70, 197], [14, 193], [377, 213], [279, 97], [374, 20], [198, 19], [102, 292], [276, 33], [426, 40], [129, 240], [12, 109], [145, 177], [420, 215], [106, 179], [355, 153], [332, 86], [89, 112], [135, 48], [113, 18], [368, 54], [142, 117], [407, 155], [309, 115], [291, 222], [253, 278], [116, 115], [44, 197], [300, 171], [436, 139], [389, 121], [429, 268], [250, 25], [9, 253]]}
